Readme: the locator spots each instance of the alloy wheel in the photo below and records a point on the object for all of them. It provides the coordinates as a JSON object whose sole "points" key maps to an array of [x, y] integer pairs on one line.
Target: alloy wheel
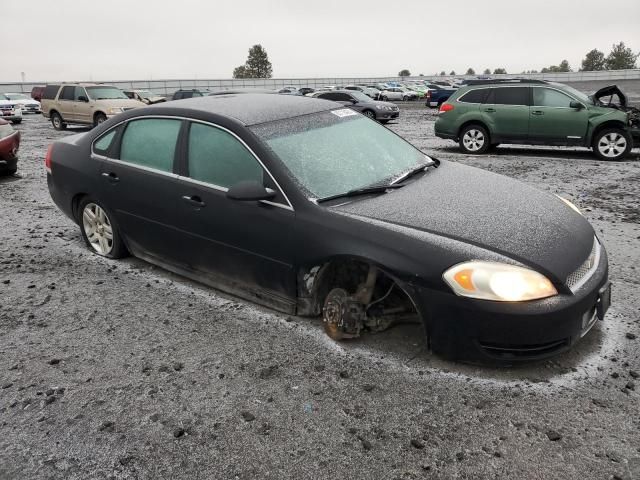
{"points": [[473, 140], [612, 145], [97, 228]]}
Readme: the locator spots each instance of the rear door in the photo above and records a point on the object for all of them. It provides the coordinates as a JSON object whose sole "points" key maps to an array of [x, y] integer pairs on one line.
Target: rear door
{"points": [[66, 103], [506, 112], [244, 243], [554, 121], [140, 187]]}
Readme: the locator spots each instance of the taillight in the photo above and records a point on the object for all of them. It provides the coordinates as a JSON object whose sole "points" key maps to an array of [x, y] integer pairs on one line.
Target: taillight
{"points": [[428, 95], [445, 107], [47, 159]]}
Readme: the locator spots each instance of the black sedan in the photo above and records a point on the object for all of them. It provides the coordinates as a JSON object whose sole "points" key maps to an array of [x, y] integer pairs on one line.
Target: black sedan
{"points": [[311, 208], [381, 111]]}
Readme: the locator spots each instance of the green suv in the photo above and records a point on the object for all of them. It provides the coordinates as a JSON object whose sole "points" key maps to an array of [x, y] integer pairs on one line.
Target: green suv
{"points": [[535, 112]]}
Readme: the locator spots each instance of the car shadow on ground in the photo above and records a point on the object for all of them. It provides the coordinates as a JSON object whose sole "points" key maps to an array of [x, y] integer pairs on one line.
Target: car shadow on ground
{"points": [[538, 152]]}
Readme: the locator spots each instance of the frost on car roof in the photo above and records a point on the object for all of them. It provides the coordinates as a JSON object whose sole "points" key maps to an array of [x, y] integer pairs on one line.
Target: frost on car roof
{"points": [[252, 109]]}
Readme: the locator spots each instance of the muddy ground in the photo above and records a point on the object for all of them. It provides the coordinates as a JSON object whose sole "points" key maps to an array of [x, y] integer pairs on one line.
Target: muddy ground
{"points": [[119, 370]]}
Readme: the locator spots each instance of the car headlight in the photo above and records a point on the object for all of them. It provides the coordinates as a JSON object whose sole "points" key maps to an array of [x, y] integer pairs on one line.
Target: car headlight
{"points": [[115, 110], [570, 204], [498, 281]]}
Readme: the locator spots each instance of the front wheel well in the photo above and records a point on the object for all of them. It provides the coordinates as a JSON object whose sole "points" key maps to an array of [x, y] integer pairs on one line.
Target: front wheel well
{"points": [[349, 273], [605, 125]]}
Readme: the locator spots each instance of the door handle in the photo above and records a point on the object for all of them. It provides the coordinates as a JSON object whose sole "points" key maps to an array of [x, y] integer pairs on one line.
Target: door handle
{"points": [[194, 200], [537, 112], [111, 177], [490, 110]]}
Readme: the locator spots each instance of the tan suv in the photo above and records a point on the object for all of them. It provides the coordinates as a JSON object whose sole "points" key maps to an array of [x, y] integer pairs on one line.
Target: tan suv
{"points": [[83, 103]]}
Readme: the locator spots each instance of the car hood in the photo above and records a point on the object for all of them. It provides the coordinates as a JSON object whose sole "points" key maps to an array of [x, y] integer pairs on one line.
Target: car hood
{"points": [[611, 90], [26, 102], [490, 211]]}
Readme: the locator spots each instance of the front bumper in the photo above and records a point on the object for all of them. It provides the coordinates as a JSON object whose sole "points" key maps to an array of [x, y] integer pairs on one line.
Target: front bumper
{"points": [[387, 115], [11, 116], [481, 331]]}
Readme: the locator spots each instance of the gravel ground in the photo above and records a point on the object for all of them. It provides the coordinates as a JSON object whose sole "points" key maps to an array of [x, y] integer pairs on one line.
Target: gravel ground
{"points": [[119, 370]]}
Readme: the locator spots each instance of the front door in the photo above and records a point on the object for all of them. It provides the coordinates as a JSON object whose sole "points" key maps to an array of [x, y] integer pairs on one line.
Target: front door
{"points": [[83, 108], [554, 121], [506, 112], [247, 245]]}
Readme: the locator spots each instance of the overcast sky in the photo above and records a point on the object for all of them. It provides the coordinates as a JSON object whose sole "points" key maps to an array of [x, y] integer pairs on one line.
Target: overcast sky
{"points": [[144, 39]]}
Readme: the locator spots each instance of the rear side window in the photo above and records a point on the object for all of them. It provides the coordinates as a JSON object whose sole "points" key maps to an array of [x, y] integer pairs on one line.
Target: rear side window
{"points": [[151, 143], [475, 96], [546, 97], [509, 96], [68, 93], [218, 158], [103, 144], [50, 92]]}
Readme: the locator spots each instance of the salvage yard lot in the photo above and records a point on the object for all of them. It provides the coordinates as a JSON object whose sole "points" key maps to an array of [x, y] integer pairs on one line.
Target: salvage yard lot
{"points": [[117, 369]]}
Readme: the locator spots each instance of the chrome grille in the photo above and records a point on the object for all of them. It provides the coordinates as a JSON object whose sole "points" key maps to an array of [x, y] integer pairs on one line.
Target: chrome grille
{"points": [[584, 271]]}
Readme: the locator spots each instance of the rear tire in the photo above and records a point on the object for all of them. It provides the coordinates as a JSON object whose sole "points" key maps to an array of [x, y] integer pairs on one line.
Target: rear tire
{"points": [[57, 122], [612, 144], [99, 229], [16, 122], [474, 140]]}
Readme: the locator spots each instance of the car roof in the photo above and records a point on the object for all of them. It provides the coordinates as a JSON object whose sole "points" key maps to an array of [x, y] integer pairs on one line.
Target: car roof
{"points": [[254, 108]]}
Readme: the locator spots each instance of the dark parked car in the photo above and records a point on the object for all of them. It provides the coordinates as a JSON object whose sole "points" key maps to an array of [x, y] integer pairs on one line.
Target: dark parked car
{"points": [[310, 208], [437, 95], [305, 90], [181, 94], [9, 144], [380, 111]]}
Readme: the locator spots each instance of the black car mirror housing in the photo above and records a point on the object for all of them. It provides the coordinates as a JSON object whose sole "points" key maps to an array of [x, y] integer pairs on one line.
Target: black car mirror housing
{"points": [[576, 105], [250, 190]]}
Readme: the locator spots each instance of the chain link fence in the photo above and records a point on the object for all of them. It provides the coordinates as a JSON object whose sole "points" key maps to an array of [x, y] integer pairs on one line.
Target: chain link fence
{"points": [[167, 87]]}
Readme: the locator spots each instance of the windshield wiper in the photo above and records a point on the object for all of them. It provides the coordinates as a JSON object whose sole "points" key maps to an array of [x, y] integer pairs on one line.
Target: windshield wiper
{"points": [[360, 191], [413, 171]]}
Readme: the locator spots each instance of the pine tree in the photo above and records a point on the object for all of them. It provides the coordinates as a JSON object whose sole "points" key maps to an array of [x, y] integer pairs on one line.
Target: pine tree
{"points": [[594, 61], [621, 58]]}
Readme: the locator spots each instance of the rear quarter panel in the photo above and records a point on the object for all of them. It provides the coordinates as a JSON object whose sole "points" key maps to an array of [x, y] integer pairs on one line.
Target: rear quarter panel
{"points": [[73, 172]]}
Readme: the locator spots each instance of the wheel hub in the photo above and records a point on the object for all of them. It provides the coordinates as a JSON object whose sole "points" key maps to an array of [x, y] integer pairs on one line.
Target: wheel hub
{"points": [[97, 228]]}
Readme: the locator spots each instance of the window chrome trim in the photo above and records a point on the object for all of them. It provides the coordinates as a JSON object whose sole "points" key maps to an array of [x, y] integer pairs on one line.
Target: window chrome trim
{"points": [[289, 205]]}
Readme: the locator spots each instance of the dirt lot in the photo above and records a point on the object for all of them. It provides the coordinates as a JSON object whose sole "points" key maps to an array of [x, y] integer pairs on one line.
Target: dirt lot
{"points": [[119, 370]]}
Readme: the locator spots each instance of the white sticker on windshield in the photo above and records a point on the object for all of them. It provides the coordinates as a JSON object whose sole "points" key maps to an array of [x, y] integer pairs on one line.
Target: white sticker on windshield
{"points": [[344, 112]]}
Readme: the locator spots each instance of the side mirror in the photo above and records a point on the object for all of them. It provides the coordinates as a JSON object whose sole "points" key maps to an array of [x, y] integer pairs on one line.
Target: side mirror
{"points": [[82, 98], [576, 105], [250, 190]]}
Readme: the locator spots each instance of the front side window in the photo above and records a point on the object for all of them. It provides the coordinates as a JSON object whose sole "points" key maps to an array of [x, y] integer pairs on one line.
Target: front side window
{"points": [[545, 97], [217, 157], [329, 153], [79, 92], [509, 96], [151, 143]]}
